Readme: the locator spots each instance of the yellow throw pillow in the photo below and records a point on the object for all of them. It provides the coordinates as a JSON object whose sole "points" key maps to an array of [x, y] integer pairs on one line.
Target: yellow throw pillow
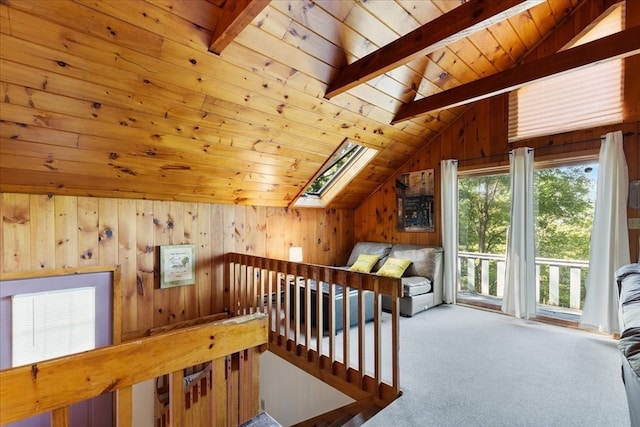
{"points": [[364, 263], [394, 267]]}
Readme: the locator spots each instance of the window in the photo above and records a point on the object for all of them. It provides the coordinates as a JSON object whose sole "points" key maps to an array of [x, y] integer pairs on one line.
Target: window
{"points": [[565, 202], [348, 160], [483, 222], [52, 324], [586, 97]]}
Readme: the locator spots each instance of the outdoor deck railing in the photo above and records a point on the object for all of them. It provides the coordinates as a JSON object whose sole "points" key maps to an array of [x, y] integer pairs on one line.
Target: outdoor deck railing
{"points": [[559, 283], [327, 335]]}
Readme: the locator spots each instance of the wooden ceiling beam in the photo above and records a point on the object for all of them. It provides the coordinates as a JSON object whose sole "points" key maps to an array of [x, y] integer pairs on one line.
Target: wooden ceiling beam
{"points": [[236, 15], [619, 45], [462, 21]]}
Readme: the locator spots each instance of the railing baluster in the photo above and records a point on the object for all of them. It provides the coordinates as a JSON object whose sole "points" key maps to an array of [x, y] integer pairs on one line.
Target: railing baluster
{"points": [[537, 283], [484, 276], [574, 288], [471, 275], [554, 285], [501, 269]]}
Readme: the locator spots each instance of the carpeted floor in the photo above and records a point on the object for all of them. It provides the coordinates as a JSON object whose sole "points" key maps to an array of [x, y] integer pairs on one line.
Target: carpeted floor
{"points": [[462, 366]]}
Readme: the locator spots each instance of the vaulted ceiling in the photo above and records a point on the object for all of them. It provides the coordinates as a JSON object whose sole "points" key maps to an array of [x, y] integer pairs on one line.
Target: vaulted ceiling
{"points": [[239, 101]]}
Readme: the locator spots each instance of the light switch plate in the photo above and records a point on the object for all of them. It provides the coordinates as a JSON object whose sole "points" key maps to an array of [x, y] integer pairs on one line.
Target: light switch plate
{"points": [[634, 223]]}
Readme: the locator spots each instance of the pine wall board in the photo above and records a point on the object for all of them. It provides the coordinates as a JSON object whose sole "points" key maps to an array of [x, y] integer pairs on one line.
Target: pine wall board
{"points": [[42, 232]]}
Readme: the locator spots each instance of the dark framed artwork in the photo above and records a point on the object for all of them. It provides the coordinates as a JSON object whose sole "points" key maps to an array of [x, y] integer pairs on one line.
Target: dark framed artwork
{"points": [[415, 199], [177, 265]]}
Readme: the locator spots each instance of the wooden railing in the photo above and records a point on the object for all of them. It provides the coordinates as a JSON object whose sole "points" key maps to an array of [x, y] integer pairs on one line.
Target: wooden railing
{"points": [[55, 384], [324, 333]]}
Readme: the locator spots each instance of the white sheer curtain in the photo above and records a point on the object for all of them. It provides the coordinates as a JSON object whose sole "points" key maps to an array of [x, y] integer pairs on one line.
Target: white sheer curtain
{"points": [[520, 289], [449, 199], [609, 237]]}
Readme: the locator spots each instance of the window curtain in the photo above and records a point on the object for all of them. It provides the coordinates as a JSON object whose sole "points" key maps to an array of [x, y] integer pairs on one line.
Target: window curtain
{"points": [[449, 203], [520, 289], [609, 238]]}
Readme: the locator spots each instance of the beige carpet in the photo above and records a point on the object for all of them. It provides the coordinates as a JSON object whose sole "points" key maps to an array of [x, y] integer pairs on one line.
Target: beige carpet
{"points": [[468, 367]]}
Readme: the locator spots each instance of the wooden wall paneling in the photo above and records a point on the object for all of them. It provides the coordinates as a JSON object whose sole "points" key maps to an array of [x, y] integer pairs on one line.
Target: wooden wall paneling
{"points": [[147, 267], [66, 223], [230, 236], [88, 221], [43, 240], [364, 216], [256, 230], [216, 240], [175, 227], [275, 233], [161, 297], [17, 233], [498, 123], [345, 238], [206, 285], [127, 257], [241, 228], [294, 232], [320, 234], [190, 233], [108, 231], [386, 213]]}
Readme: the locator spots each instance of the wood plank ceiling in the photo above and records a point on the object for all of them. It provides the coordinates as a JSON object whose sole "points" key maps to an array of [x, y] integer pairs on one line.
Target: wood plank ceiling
{"points": [[125, 99]]}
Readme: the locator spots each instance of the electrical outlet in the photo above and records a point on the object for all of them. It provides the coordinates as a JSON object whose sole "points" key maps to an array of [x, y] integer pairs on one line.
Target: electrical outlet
{"points": [[262, 404], [634, 223]]}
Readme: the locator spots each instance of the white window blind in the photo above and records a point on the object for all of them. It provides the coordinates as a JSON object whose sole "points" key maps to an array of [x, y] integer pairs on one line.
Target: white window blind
{"points": [[52, 324], [583, 98]]}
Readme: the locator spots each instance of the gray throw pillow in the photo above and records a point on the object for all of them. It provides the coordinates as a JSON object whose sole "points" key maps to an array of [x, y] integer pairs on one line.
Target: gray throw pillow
{"points": [[424, 261]]}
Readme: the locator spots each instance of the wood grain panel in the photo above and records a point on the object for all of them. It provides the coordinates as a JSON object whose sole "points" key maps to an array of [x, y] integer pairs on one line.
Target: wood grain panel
{"points": [[43, 244], [204, 261], [108, 233], [129, 233], [16, 220], [161, 297], [175, 228], [147, 270], [88, 222], [66, 232], [127, 259]]}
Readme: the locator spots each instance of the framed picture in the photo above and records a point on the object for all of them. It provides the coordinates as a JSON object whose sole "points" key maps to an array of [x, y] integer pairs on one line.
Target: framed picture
{"points": [[414, 192], [177, 265]]}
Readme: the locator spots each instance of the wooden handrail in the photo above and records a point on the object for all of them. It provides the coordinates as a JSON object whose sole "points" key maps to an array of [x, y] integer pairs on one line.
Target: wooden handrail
{"points": [[303, 325], [54, 384]]}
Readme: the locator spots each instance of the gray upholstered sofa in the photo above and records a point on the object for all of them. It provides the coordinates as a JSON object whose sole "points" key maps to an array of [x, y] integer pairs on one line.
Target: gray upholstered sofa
{"points": [[421, 281], [628, 278]]}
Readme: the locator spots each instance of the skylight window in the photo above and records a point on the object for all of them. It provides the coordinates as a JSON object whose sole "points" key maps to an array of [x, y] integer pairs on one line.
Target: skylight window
{"points": [[583, 98], [348, 160]]}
